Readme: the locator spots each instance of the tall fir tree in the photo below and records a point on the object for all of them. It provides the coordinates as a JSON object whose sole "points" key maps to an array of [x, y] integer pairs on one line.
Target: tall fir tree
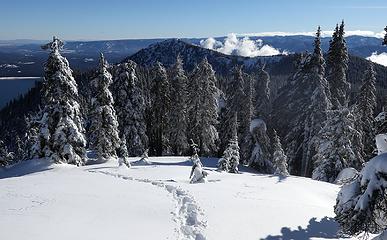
{"points": [[279, 157], [104, 124], [338, 146], [235, 104], [318, 107], [261, 158], [365, 108], [230, 159], [203, 108], [130, 107], [337, 66], [306, 107], [247, 112], [160, 112], [261, 100], [61, 132], [178, 115], [385, 37]]}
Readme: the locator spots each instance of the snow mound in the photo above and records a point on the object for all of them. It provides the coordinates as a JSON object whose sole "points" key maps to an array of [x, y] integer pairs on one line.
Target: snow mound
{"points": [[346, 175]]}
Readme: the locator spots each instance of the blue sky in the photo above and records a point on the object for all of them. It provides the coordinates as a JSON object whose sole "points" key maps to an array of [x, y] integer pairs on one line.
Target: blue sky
{"points": [[120, 19]]}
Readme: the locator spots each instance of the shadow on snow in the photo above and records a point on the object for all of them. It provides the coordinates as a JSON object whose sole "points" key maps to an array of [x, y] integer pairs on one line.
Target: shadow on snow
{"points": [[326, 228], [25, 167]]}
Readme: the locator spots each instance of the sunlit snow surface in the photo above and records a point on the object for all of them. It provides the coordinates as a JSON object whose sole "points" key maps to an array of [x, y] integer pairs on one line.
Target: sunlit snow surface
{"points": [[156, 201]]}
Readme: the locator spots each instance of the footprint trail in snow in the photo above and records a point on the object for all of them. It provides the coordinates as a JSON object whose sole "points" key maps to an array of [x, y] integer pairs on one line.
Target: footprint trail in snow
{"points": [[188, 214]]}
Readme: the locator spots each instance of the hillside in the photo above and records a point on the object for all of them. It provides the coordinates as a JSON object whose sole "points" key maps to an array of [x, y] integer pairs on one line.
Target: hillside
{"points": [[280, 69], [156, 202]]}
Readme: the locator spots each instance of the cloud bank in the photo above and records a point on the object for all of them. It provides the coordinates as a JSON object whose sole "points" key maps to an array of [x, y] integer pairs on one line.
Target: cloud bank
{"points": [[323, 34], [245, 47], [378, 58]]}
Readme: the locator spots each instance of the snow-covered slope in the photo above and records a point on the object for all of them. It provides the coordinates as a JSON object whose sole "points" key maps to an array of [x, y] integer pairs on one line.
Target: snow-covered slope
{"points": [[156, 201]]}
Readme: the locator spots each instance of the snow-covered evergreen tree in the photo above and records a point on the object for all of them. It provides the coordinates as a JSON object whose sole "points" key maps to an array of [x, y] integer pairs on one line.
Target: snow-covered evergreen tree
{"points": [[306, 110], [178, 115], [130, 107], [338, 146], [230, 159], [104, 124], [20, 149], [33, 147], [262, 94], [6, 156], [203, 107], [260, 159], [61, 133], [318, 107], [160, 112], [235, 103], [279, 157], [246, 143], [366, 104], [361, 205], [385, 37], [337, 65], [122, 152]]}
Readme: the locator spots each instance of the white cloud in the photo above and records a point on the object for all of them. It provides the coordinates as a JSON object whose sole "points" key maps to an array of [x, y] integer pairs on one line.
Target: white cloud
{"points": [[209, 43], [245, 47], [378, 58], [323, 34]]}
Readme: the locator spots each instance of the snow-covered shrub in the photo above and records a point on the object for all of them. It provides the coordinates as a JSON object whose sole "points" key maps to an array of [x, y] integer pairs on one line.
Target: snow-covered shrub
{"points": [[362, 204], [346, 175]]}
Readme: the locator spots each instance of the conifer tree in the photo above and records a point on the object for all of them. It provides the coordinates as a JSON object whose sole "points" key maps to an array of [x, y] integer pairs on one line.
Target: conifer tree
{"points": [[246, 143], [262, 94], [337, 65], [130, 107], [6, 157], [279, 157], [318, 107], [230, 159], [261, 158], [338, 146], [61, 133], [365, 110], [178, 115], [202, 108], [122, 152], [306, 110], [104, 124], [235, 103], [385, 37], [160, 112]]}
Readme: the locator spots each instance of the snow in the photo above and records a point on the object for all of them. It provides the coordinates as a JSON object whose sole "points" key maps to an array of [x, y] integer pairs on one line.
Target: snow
{"points": [[156, 201], [346, 175], [371, 179], [256, 123], [381, 143]]}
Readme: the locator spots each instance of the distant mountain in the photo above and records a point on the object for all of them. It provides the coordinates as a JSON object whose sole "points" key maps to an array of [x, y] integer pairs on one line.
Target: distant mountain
{"points": [[28, 58], [280, 69]]}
